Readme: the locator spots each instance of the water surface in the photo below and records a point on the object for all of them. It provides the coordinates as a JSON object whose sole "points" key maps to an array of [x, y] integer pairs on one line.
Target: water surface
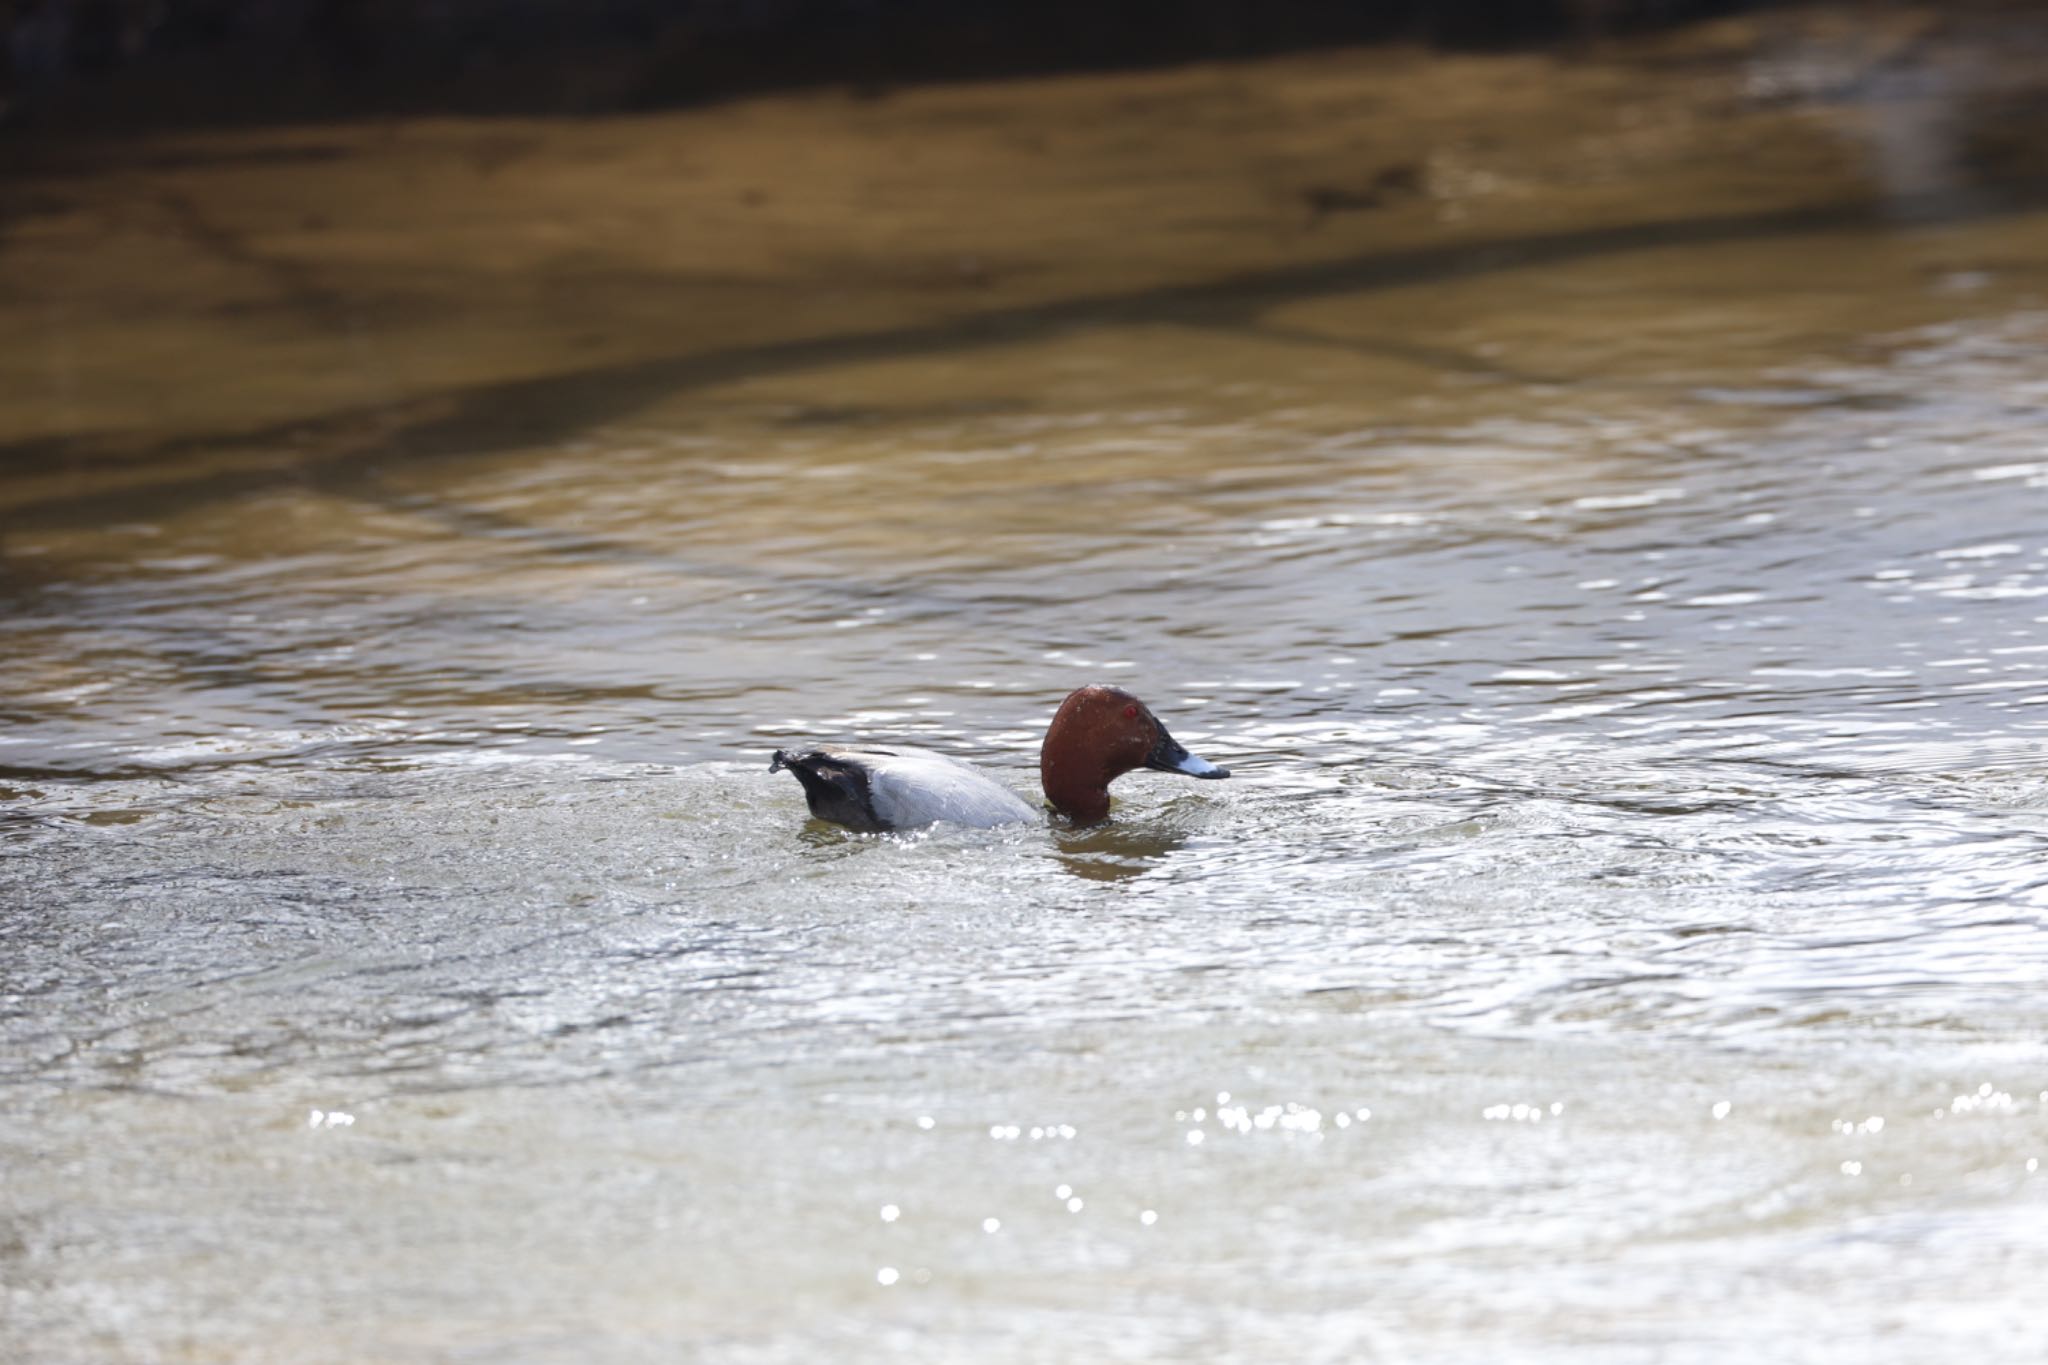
{"points": [[1622, 936]]}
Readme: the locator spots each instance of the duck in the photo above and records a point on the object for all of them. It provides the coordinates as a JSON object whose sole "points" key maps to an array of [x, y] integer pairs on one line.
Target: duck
{"points": [[1098, 734]]}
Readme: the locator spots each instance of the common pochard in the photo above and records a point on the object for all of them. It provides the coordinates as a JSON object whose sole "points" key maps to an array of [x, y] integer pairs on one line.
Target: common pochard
{"points": [[1098, 734]]}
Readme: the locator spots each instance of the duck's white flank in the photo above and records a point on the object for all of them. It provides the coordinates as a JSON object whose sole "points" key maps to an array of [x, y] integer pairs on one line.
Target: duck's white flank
{"points": [[912, 787]]}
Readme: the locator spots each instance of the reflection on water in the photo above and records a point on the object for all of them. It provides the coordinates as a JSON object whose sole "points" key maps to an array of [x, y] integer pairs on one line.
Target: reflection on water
{"points": [[1623, 930], [1120, 850]]}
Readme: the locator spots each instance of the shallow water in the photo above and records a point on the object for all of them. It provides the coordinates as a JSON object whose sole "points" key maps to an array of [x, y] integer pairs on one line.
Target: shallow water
{"points": [[1622, 937]]}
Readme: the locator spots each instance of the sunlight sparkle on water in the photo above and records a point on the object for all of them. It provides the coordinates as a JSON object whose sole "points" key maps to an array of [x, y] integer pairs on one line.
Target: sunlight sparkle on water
{"points": [[1289, 1117], [1986, 1099], [1518, 1113]]}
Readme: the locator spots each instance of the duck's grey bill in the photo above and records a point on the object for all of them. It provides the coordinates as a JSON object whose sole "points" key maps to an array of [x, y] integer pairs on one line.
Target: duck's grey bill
{"points": [[1168, 756]]}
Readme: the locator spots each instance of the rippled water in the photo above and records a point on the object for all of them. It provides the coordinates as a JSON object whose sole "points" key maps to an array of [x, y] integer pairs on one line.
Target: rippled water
{"points": [[1622, 938]]}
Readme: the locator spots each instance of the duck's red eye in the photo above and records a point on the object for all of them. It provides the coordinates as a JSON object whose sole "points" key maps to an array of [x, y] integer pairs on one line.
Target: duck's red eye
{"points": [[1131, 711]]}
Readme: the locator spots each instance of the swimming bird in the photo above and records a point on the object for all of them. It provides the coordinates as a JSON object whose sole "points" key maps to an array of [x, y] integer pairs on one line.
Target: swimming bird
{"points": [[1098, 734]]}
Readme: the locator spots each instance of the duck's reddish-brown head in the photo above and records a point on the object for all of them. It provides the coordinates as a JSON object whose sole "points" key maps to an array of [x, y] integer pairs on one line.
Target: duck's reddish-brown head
{"points": [[1099, 734]]}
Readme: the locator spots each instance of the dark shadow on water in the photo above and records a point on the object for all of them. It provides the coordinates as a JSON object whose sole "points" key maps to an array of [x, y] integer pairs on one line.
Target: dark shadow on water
{"points": [[128, 66], [75, 161]]}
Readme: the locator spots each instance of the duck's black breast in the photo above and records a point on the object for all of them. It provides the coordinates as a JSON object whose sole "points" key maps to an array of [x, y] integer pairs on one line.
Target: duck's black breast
{"points": [[837, 789]]}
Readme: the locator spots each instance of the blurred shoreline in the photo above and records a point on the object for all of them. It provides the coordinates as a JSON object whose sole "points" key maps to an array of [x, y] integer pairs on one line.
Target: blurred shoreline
{"points": [[224, 300]]}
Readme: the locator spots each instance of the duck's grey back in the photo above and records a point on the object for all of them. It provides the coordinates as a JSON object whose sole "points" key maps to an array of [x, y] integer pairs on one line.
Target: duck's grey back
{"points": [[912, 787]]}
